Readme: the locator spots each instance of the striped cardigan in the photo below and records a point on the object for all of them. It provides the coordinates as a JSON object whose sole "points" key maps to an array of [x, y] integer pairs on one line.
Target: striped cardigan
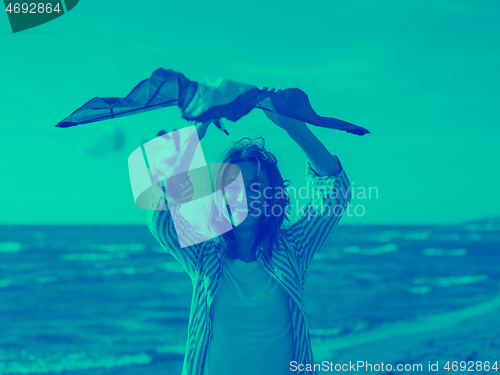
{"points": [[291, 256]]}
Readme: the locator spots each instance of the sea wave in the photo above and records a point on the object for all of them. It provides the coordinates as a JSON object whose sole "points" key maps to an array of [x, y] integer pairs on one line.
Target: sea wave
{"points": [[5, 283], [417, 235], [11, 247], [127, 271], [450, 280], [387, 248], [445, 252], [68, 362], [94, 256], [117, 247], [171, 267], [386, 235]]}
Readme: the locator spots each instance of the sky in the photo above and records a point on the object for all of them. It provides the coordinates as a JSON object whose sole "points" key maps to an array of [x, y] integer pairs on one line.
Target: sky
{"points": [[423, 77]]}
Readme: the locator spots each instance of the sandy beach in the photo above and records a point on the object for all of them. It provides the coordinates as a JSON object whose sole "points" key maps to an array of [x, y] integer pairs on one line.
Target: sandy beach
{"points": [[470, 334]]}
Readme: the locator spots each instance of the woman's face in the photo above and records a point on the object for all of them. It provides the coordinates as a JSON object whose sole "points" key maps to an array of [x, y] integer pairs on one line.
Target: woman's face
{"points": [[246, 203]]}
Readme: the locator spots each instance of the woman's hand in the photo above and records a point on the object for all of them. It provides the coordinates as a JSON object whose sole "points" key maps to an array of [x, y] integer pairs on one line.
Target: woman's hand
{"points": [[318, 156], [284, 122], [201, 128], [173, 152]]}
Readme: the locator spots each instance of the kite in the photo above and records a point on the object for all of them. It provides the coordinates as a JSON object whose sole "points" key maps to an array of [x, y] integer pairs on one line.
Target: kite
{"points": [[204, 102]]}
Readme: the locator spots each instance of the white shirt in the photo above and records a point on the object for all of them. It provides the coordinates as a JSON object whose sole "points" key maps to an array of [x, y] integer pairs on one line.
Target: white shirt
{"points": [[251, 321]]}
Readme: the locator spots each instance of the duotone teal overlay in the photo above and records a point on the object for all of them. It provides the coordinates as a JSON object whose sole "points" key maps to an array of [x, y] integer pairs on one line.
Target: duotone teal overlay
{"points": [[25, 15], [410, 277]]}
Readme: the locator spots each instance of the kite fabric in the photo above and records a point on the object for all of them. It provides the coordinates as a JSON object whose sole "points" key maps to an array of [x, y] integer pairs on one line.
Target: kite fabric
{"points": [[203, 102]]}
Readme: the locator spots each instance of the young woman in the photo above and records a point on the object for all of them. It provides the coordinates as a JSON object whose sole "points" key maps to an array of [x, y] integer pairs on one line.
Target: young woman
{"points": [[247, 311]]}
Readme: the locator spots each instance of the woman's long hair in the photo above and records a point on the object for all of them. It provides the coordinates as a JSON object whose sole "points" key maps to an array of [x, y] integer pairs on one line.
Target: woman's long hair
{"points": [[254, 151]]}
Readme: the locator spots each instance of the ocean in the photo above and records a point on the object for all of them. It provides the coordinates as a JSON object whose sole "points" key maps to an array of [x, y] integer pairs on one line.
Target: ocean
{"points": [[107, 300]]}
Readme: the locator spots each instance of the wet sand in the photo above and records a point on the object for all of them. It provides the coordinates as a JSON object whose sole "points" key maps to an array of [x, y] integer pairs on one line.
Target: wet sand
{"points": [[470, 334]]}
